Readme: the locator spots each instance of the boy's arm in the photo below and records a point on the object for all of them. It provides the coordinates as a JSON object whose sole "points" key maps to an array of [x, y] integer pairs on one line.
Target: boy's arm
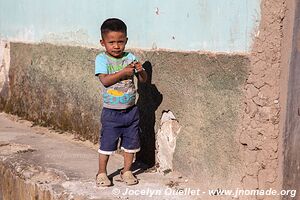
{"points": [[142, 75], [111, 79]]}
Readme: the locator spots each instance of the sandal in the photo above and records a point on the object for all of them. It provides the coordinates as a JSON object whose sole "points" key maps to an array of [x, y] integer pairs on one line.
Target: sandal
{"points": [[102, 180], [128, 178]]}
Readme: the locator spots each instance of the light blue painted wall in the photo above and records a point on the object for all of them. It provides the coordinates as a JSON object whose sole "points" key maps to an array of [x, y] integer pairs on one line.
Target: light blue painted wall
{"points": [[208, 25]]}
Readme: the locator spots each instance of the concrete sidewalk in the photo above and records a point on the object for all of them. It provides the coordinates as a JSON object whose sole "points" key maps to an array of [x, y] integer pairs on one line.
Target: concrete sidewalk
{"points": [[39, 163]]}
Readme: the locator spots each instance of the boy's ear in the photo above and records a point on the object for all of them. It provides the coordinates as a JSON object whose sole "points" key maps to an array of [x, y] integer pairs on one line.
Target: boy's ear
{"points": [[102, 43], [126, 40]]}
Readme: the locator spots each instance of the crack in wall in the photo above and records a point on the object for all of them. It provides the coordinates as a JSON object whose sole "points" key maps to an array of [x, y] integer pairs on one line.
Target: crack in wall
{"points": [[260, 127]]}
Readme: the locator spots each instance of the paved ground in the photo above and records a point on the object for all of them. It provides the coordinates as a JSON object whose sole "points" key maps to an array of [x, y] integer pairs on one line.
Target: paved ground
{"points": [[67, 166]]}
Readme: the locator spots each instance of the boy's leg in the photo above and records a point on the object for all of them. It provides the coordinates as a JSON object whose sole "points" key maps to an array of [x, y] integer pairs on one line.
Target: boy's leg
{"points": [[126, 174], [101, 177], [128, 159], [130, 144], [108, 137], [103, 159], [130, 138]]}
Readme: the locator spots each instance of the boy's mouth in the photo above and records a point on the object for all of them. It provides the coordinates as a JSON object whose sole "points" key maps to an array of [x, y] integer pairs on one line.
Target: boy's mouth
{"points": [[116, 52]]}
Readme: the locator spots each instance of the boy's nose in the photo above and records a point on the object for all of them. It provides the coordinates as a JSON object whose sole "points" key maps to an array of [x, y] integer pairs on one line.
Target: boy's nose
{"points": [[116, 46]]}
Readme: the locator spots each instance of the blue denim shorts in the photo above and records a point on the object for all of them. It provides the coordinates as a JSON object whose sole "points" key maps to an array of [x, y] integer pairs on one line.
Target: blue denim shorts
{"points": [[117, 124]]}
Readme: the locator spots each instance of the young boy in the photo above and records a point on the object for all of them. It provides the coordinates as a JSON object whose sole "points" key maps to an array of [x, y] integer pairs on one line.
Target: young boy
{"points": [[120, 118]]}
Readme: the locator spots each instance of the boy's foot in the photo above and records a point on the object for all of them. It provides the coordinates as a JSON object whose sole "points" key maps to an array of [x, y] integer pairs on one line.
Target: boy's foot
{"points": [[102, 180], [128, 178]]}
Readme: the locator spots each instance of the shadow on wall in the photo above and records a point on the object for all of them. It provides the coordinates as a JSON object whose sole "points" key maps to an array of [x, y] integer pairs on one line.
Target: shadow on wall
{"points": [[149, 100]]}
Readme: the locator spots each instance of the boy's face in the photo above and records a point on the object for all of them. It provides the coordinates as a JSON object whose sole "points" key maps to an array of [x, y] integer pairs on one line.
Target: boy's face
{"points": [[114, 43]]}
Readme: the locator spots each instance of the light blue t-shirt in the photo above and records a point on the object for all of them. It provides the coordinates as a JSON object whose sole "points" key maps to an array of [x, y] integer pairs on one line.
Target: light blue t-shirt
{"points": [[122, 94]]}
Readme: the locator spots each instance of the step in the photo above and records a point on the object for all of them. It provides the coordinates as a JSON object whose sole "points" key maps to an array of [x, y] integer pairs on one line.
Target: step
{"points": [[40, 163]]}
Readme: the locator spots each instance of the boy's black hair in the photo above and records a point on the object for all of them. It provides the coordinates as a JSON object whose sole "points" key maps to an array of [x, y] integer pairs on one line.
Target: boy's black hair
{"points": [[113, 24]]}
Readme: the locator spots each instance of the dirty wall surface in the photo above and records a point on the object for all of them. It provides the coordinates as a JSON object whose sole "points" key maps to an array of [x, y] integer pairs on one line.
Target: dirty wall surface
{"points": [[55, 86]]}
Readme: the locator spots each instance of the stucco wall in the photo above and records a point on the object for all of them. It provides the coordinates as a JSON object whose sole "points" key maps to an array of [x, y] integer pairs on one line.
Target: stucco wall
{"points": [[209, 25]]}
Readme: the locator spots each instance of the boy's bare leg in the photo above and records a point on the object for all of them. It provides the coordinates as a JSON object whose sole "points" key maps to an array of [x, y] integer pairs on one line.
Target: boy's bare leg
{"points": [[128, 159], [103, 159]]}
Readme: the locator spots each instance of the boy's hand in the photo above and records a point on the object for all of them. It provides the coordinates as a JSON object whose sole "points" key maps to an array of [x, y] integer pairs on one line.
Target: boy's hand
{"points": [[140, 71], [138, 67], [128, 71]]}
